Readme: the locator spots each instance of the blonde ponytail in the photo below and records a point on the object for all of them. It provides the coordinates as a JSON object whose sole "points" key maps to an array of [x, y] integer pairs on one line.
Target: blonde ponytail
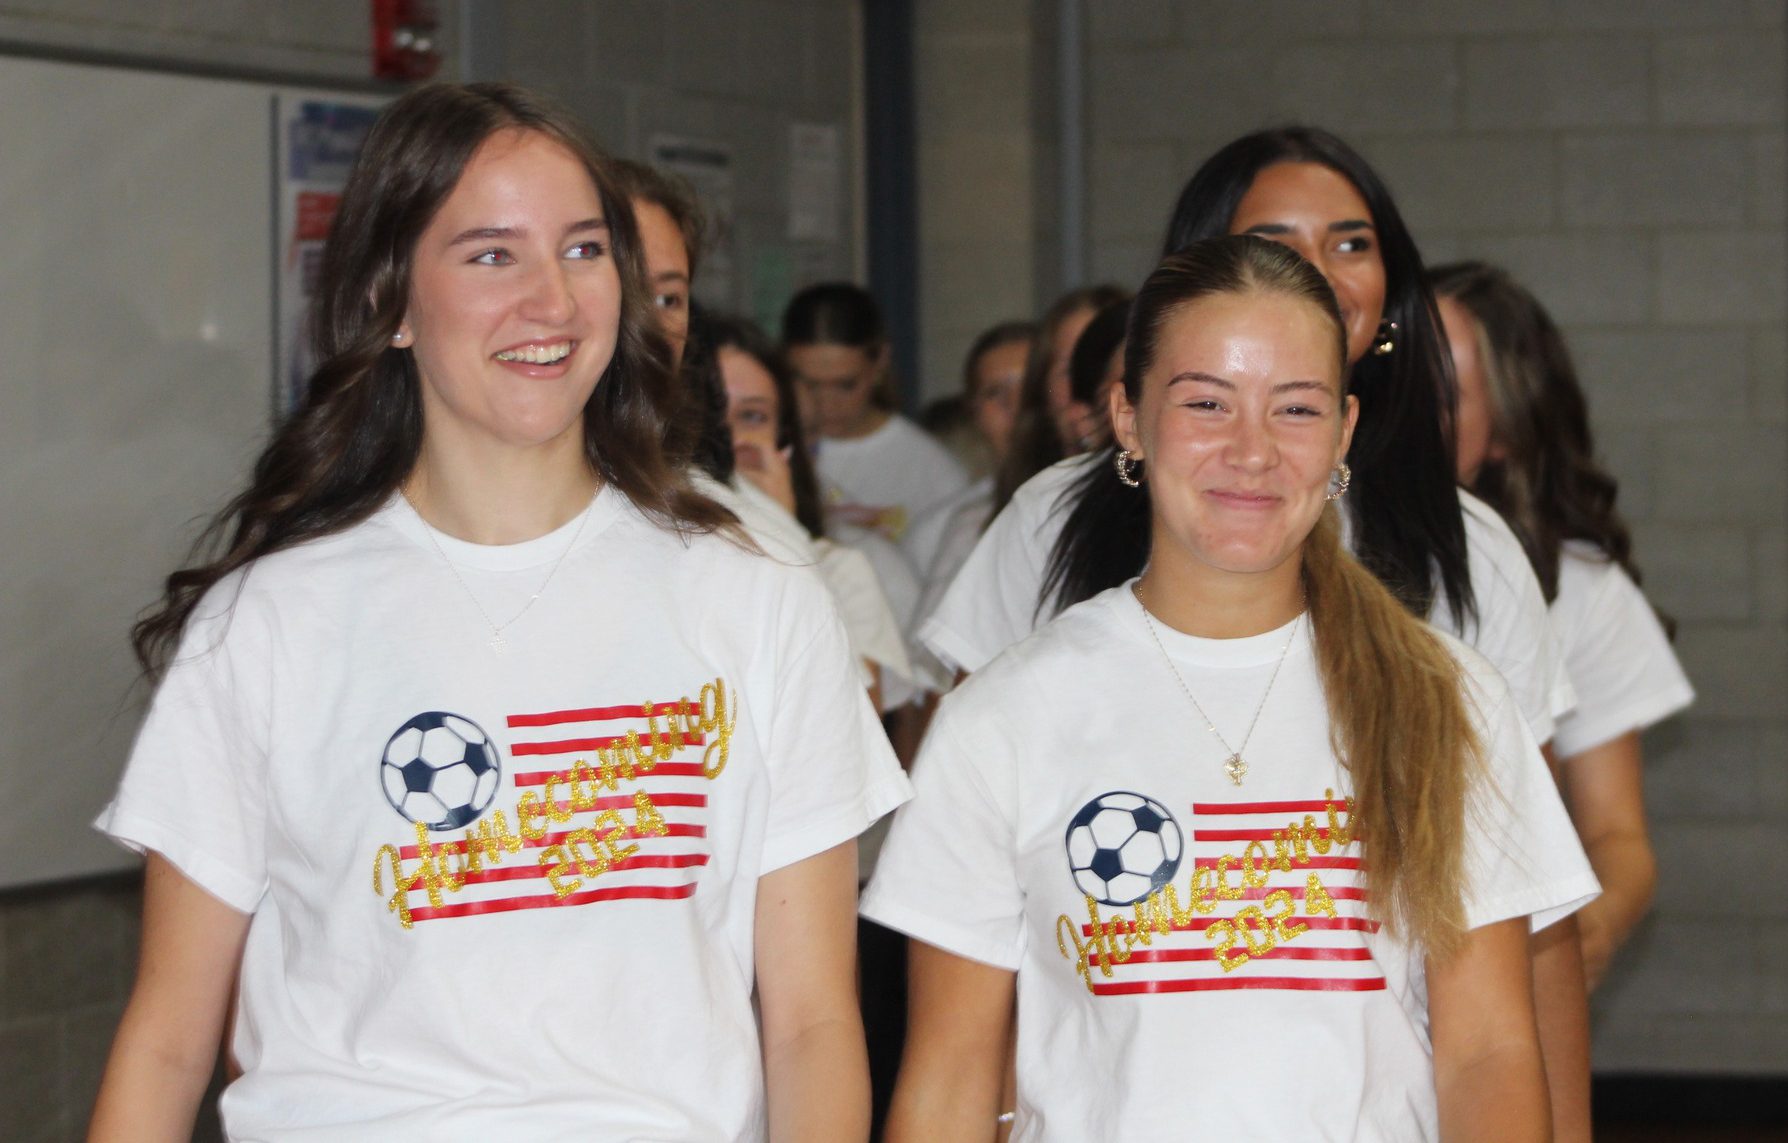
{"points": [[1398, 721]]}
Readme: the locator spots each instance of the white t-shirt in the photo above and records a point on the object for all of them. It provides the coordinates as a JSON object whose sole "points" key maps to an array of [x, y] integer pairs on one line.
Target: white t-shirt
{"points": [[1069, 786], [876, 634], [944, 539], [992, 603], [503, 895], [1625, 674], [887, 479]]}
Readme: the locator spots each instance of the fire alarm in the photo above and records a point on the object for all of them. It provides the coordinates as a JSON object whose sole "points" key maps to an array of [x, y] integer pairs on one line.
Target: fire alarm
{"points": [[406, 39]]}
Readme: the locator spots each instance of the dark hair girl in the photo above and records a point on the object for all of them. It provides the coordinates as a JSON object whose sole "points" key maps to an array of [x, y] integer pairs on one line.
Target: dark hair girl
{"points": [[454, 715], [357, 433]]}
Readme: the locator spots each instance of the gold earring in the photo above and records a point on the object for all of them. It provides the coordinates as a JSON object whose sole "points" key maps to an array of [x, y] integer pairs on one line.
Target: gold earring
{"points": [[1126, 466], [1386, 339], [1338, 481]]}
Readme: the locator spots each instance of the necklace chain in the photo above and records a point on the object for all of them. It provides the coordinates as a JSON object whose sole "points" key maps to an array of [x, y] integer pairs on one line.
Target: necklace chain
{"points": [[1234, 765], [496, 640]]}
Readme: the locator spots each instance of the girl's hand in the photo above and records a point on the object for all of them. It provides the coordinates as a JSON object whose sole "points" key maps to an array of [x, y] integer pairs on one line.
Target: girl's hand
{"points": [[769, 470]]}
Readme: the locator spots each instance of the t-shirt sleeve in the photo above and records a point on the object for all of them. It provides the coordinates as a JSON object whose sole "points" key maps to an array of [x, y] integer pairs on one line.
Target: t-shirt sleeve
{"points": [[194, 788], [831, 770], [1513, 629], [992, 602], [1625, 673], [1522, 857], [948, 873]]}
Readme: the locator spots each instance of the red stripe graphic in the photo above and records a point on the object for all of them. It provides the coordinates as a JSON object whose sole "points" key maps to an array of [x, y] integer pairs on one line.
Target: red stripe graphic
{"points": [[1220, 984], [1238, 864], [671, 829], [1247, 834], [662, 770], [1282, 952], [594, 714], [523, 872], [1317, 807], [582, 745], [1197, 924], [551, 901]]}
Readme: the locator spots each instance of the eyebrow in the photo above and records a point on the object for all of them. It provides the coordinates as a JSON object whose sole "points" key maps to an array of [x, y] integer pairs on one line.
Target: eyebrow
{"points": [[670, 276], [1212, 379], [490, 233], [1343, 226]]}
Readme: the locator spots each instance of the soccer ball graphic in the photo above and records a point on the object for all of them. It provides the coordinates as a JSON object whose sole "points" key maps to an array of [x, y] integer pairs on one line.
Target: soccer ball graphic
{"points": [[440, 769], [1122, 847]]}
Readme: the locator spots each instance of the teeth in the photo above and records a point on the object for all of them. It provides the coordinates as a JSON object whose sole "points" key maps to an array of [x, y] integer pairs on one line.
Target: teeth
{"points": [[538, 354]]}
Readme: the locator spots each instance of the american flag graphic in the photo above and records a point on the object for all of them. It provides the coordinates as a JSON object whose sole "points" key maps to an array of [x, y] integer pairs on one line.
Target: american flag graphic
{"points": [[1304, 928], [640, 836]]}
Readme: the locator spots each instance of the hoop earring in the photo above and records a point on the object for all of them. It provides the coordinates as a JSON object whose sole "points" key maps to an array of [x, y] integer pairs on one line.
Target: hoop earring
{"points": [[1386, 338], [1126, 466], [1338, 481]]}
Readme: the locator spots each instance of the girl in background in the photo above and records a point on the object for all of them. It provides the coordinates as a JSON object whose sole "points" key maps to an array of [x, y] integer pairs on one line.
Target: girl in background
{"points": [[1525, 446], [1042, 433], [992, 378], [485, 735], [878, 470]]}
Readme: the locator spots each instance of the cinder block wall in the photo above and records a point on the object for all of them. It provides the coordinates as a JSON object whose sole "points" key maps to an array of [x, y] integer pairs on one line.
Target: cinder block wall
{"points": [[978, 158], [1625, 160], [742, 74]]}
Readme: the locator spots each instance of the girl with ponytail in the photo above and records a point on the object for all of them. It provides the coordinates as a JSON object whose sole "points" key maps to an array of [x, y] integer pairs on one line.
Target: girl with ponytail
{"points": [[1254, 849]]}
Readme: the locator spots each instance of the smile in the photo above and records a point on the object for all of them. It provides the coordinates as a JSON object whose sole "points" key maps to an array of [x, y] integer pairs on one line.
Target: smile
{"points": [[548, 354]]}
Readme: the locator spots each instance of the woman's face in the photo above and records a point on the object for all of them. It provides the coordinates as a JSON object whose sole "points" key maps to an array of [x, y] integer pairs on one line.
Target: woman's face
{"points": [[667, 272], [753, 410], [836, 386], [515, 299], [1239, 424], [1056, 388], [999, 374], [1316, 211], [1472, 430]]}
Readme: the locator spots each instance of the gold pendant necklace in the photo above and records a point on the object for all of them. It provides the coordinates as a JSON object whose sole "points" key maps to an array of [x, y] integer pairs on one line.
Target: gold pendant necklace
{"points": [[1234, 765], [497, 643]]}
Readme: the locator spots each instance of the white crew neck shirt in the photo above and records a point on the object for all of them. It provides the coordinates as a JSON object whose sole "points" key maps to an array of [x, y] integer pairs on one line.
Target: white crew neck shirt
{"points": [[1623, 669], [674, 719], [888, 478]]}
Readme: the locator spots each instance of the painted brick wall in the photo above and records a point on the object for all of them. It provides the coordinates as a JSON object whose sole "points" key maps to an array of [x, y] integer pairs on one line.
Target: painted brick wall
{"points": [[1626, 160]]}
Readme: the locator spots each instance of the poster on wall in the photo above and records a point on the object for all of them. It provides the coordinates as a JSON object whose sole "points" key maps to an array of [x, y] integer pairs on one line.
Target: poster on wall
{"points": [[315, 141], [708, 168]]}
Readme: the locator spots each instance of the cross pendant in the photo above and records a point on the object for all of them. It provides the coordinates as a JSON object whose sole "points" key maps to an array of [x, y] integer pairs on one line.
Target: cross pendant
{"points": [[498, 643], [1235, 768]]}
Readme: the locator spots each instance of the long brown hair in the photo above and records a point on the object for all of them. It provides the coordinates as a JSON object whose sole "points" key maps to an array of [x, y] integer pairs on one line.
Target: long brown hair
{"points": [[1395, 694], [1547, 483], [357, 434], [1035, 442]]}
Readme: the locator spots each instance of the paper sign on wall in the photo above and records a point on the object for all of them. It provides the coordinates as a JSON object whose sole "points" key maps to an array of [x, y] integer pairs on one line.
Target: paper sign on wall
{"points": [[814, 177]]}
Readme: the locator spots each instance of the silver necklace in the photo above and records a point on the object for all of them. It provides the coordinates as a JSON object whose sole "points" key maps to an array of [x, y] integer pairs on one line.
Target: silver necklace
{"points": [[1234, 765], [497, 643]]}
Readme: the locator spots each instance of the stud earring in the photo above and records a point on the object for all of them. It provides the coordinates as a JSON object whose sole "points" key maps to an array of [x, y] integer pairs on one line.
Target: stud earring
{"points": [[1126, 466], [1338, 481], [1386, 338], [401, 338]]}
